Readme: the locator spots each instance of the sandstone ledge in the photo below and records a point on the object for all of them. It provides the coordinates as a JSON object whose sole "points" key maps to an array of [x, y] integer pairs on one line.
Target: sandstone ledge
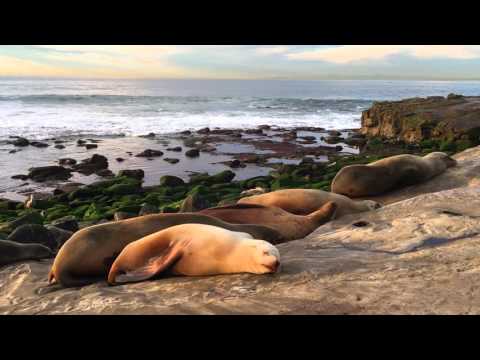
{"points": [[418, 255]]}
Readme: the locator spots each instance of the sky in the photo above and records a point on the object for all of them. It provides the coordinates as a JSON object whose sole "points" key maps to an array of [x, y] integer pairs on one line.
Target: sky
{"points": [[312, 62]]}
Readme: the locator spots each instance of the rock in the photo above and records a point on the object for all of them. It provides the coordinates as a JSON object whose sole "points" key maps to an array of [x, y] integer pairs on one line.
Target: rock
{"points": [[148, 136], [30, 218], [20, 177], [186, 132], [39, 201], [138, 174], [33, 234], [68, 223], [67, 161], [105, 173], [264, 127], [338, 148], [120, 159], [91, 146], [59, 235], [123, 189], [334, 133], [60, 147], [192, 153], [67, 188], [39, 144], [254, 131], [171, 160], [192, 203], [235, 164], [58, 141], [91, 165], [308, 138], [148, 209], [255, 191], [333, 139], [81, 142], [46, 173], [21, 142], [150, 153], [120, 215], [414, 120], [204, 131], [176, 148], [171, 181]]}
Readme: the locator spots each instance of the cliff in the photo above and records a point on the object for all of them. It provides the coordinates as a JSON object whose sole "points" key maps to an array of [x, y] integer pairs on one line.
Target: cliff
{"points": [[454, 118], [418, 255]]}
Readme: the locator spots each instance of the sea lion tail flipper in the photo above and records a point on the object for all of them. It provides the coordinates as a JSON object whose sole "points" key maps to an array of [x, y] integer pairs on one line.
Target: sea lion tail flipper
{"points": [[153, 267], [51, 278], [324, 214]]}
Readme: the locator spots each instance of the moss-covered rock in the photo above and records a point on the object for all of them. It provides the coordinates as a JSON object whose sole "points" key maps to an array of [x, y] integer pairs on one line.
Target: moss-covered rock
{"points": [[123, 189], [171, 181]]}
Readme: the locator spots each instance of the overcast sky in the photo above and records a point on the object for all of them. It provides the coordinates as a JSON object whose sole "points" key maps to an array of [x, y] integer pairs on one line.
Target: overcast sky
{"points": [[431, 62]]}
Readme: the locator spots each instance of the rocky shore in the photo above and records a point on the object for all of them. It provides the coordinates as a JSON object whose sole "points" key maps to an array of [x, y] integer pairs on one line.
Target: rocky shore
{"points": [[415, 255]]}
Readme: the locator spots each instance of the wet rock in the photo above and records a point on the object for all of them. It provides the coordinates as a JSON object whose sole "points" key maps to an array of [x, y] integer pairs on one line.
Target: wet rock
{"points": [[254, 131], [38, 201], [119, 159], [148, 136], [92, 165], [21, 142], [138, 174], [67, 188], [30, 218], [308, 138], [204, 131], [192, 153], [333, 139], [176, 148], [105, 173], [68, 223], [149, 153], [186, 132], [208, 148], [46, 173], [67, 161], [171, 181], [147, 209], [39, 144], [264, 127], [235, 164], [20, 177], [338, 148], [193, 202], [81, 142], [171, 160], [33, 234], [121, 215], [59, 147], [59, 235], [91, 146]]}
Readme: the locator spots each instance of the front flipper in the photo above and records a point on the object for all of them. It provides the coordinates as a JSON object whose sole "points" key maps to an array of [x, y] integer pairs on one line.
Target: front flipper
{"points": [[153, 267]]}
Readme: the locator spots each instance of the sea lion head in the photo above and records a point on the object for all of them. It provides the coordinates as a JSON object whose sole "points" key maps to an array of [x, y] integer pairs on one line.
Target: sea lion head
{"points": [[266, 257], [449, 161]]}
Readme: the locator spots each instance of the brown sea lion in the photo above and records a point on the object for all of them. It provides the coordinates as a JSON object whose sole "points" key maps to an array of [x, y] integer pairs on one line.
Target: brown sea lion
{"points": [[11, 252], [291, 226], [87, 256], [193, 250], [389, 173], [306, 201]]}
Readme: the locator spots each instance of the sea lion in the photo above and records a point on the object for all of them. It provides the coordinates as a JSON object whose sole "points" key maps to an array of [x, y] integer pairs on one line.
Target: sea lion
{"points": [[389, 173], [89, 253], [291, 226], [11, 252], [193, 250], [306, 201]]}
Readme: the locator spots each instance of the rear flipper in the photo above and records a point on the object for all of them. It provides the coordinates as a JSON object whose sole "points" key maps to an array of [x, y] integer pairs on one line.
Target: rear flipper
{"points": [[153, 267]]}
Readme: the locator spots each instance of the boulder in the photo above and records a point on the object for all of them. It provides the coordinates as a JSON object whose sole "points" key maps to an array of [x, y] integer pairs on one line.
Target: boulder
{"points": [[33, 234], [68, 223], [39, 144], [176, 149], [91, 146], [60, 235], [149, 153], [194, 202], [20, 177], [67, 161], [138, 174], [171, 160], [171, 181], [192, 153], [59, 147], [20, 142], [204, 131], [91, 165], [49, 173], [105, 173]]}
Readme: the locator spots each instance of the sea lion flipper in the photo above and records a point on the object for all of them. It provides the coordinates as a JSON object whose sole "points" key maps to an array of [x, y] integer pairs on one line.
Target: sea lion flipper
{"points": [[153, 267]]}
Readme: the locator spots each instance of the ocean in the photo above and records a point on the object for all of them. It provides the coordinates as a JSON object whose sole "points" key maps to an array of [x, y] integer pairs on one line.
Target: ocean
{"points": [[40, 109]]}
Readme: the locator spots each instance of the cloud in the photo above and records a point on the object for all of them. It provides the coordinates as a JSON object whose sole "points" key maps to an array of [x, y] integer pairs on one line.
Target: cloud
{"points": [[362, 53], [271, 50]]}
